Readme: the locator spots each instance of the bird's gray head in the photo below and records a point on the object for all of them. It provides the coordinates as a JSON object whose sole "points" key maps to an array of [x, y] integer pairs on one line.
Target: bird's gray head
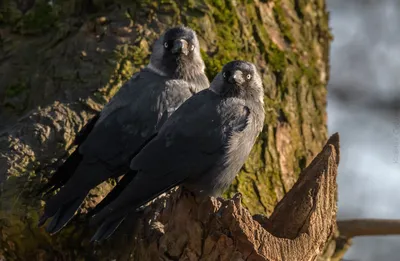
{"points": [[177, 54], [238, 79]]}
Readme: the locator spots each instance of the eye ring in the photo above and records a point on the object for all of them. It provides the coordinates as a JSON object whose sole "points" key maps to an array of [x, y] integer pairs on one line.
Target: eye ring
{"points": [[248, 76], [192, 48], [165, 45], [224, 74]]}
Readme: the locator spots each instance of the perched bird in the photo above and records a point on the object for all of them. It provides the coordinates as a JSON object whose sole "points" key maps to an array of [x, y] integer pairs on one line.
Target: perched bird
{"points": [[127, 122], [202, 146]]}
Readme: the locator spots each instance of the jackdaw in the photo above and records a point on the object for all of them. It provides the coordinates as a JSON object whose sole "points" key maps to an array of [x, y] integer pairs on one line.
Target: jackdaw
{"points": [[202, 146], [128, 121]]}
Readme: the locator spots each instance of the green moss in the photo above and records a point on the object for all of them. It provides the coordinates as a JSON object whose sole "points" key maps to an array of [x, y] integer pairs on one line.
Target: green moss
{"points": [[218, 3], [139, 54], [280, 18], [16, 89], [214, 64], [99, 97], [9, 12], [190, 4], [168, 7], [310, 73], [18, 215], [227, 37], [275, 58], [39, 19]]}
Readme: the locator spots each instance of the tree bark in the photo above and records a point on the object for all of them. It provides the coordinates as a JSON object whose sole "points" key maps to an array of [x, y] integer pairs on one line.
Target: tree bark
{"points": [[60, 63]]}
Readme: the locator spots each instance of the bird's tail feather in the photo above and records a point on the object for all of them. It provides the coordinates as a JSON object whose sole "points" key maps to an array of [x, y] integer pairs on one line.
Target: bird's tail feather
{"points": [[78, 186], [106, 229], [114, 193], [64, 215]]}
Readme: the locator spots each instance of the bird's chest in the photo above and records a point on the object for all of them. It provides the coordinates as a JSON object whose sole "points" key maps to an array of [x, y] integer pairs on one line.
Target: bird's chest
{"points": [[175, 93]]}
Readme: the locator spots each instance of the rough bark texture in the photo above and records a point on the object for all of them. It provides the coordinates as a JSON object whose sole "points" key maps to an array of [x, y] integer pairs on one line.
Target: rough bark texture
{"points": [[59, 63]]}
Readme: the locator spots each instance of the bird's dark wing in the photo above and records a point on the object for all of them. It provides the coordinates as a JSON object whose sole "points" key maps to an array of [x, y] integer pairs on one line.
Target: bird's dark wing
{"points": [[122, 98], [126, 128], [197, 132], [67, 169], [105, 151], [192, 141], [121, 185]]}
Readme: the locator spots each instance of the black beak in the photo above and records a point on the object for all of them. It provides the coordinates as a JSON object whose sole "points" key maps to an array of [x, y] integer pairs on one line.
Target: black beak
{"points": [[236, 77], [180, 46]]}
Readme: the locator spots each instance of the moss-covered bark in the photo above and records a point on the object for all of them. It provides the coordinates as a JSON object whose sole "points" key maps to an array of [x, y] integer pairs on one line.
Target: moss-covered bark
{"points": [[61, 62]]}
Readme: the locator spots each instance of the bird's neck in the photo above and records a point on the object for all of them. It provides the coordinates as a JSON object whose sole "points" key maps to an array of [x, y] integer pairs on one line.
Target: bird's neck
{"points": [[193, 73], [188, 71], [254, 95]]}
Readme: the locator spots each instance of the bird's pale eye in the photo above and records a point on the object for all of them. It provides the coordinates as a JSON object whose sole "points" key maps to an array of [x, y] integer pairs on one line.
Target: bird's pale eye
{"points": [[248, 76], [166, 45], [192, 48]]}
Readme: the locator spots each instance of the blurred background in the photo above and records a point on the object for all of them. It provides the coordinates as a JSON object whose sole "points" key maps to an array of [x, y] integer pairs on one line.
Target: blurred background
{"points": [[364, 106]]}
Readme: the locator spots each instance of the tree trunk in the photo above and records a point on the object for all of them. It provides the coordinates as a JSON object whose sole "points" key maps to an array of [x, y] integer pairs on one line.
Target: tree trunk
{"points": [[60, 61]]}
